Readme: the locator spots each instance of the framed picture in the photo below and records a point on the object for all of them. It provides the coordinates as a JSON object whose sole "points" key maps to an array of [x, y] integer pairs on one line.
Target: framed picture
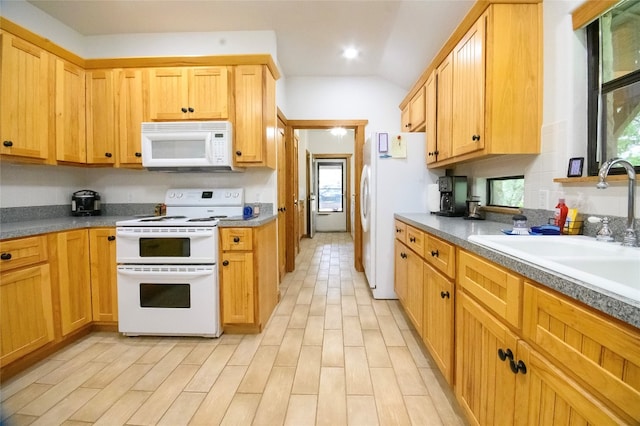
{"points": [[383, 142], [575, 167]]}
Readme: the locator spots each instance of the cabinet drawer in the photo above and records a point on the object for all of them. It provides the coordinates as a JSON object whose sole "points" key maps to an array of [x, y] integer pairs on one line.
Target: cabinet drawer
{"points": [[415, 240], [441, 255], [603, 354], [401, 231], [495, 287], [236, 239], [22, 252]]}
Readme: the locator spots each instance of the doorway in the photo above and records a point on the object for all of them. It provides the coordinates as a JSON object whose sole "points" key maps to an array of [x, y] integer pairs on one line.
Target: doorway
{"points": [[333, 189]]}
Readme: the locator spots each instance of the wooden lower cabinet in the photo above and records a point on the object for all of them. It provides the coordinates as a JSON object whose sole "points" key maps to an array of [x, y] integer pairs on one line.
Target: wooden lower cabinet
{"points": [[71, 256], [408, 283], [438, 320], [248, 277], [104, 285]]}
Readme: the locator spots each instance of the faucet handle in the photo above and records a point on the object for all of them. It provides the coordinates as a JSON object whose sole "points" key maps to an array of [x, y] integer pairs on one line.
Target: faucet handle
{"points": [[594, 219], [604, 233]]}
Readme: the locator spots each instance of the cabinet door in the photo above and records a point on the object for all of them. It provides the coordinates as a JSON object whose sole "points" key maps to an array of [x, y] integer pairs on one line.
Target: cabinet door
{"points": [[485, 385], [249, 130], [74, 279], [26, 312], [405, 118], [547, 396], [400, 272], [24, 99], [437, 331], [168, 93], [431, 118], [104, 289], [22, 252], [70, 113], [208, 93], [417, 110], [131, 112], [468, 90], [415, 290], [445, 109], [100, 117], [238, 293]]}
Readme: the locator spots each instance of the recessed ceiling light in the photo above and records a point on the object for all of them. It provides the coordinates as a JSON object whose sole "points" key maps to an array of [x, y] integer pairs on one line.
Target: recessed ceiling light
{"points": [[350, 53]]}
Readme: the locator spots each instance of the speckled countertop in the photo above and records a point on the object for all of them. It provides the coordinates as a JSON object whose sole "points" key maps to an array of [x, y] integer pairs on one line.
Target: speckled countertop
{"points": [[44, 226], [457, 230]]}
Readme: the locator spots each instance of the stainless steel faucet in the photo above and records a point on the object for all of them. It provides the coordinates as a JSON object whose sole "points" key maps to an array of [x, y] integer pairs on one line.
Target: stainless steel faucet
{"points": [[629, 239]]}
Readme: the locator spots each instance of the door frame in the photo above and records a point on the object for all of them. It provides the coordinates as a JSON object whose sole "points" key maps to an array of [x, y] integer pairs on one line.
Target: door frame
{"points": [[347, 185], [359, 135]]}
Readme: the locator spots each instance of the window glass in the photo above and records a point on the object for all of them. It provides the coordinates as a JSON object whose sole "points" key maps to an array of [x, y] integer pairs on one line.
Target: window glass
{"points": [[613, 44], [506, 191], [330, 187]]}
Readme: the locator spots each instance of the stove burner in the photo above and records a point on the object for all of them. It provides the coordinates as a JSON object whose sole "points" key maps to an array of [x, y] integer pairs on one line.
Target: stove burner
{"points": [[205, 219], [162, 218]]}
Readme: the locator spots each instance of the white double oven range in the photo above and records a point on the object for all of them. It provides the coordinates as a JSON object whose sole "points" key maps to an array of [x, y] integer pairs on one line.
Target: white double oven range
{"points": [[168, 265]]}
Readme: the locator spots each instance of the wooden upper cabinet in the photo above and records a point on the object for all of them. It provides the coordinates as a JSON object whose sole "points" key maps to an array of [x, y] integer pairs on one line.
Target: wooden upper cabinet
{"points": [[24, 99], [70, 113], [468, 90], [431, 123], [100, 96], [444, 107], [189, 93], [413, 115], [255, 127], [131, 111]]}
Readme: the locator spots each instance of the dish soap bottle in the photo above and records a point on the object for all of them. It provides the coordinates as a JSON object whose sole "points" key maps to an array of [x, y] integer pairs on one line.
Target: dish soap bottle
{"points": [[560, 216]]}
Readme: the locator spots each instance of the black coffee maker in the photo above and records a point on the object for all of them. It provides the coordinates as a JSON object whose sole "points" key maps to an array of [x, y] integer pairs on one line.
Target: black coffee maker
{"points": [[453, 195]]}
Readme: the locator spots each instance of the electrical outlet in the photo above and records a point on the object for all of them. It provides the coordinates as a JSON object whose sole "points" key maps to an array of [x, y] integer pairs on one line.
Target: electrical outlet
{"points": [[543, 199]]}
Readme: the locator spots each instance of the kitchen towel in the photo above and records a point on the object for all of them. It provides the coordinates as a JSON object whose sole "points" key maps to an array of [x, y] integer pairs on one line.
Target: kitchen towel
{"points": [[433, 198]]}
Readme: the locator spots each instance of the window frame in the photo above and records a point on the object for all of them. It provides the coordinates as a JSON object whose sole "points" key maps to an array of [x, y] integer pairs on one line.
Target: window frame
{"points": [[594, 91], [488, 184]]}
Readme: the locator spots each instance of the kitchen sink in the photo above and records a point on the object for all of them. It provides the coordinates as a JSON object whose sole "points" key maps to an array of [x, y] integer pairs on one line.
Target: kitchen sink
{"points": [[608, 266]]}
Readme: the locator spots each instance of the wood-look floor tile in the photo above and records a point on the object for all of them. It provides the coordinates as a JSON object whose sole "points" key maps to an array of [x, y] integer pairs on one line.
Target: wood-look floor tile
{"points": [[334, 297], [156, 405], [58, 392], [389, 401], [399, 315], [377, 354], [62, 410], [275, 329], [361, 410], [333, 317], [287, 303], [246, 350], [301, 410], [333, 349], [21, 398], [108, 396], [368, 319], [18, 383], [321, 288], [115, 368], [299, 316], [314, 331], [318, 305], [407, 373], [356, 366], [182, 409], [363, 296], [422, 411], [207, 374], [259, 370], [447, 413], [416, 347], [307, 377], [275, 398], [349, 306], [21, 420], [352, 331], [347, 288], [381, 308], [69, 352], [304, 296], [123, 409], [290, 348], [390, 331], [74, 364], [216, 402], [156, 352], [242, 410], [332, 398], [162, 369], [201, 352]]}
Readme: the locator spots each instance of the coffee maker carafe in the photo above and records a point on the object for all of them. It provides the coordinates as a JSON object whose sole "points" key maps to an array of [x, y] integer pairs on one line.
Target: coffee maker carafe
{"points": [[453, 195]]}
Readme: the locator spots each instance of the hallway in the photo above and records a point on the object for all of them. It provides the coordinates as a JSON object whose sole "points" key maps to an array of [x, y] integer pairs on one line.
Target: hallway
{"points": [[330, 355]]}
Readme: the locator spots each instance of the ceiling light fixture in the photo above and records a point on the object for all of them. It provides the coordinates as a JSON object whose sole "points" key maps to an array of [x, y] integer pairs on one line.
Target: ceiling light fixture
{"points": [[350, 53], [338, 131]]}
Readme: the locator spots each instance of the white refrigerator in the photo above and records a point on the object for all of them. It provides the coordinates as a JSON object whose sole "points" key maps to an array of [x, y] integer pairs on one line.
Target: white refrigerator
{"points": [[394, 179]]}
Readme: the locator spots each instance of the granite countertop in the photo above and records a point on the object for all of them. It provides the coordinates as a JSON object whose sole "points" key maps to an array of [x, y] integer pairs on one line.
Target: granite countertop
{"points": [[457, 230], [44, 226]]}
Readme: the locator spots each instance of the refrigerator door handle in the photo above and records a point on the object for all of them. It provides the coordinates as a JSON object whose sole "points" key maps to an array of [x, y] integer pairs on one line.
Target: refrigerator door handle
{"points": [[364, 197]]}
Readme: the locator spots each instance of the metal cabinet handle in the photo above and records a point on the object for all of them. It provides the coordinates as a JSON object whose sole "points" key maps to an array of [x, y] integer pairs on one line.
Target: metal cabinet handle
{"points": [[111, 238], [518, 367], [5, 256], [191, 109], [236, 239], [183, 109], [225, 263], [503, 355], [138, 154], [435, 253], [444, 294], [7, 143], [238, 153], [475, 138], [108, 154]]}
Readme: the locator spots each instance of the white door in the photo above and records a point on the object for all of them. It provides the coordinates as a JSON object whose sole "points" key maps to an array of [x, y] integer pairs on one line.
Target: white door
{"points": [[331, 189]]}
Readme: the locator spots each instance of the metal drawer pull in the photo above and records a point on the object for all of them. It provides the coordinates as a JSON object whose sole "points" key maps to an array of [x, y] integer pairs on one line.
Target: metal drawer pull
{"points": [[5, 256]]}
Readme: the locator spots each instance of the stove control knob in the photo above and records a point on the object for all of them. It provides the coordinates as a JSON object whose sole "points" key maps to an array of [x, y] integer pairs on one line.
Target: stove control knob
{"points": [[179, 195], [172, 195]]}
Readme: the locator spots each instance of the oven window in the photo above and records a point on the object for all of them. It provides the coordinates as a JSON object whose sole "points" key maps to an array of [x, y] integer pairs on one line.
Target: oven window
{"points": [[165, 295], [165, 247]]}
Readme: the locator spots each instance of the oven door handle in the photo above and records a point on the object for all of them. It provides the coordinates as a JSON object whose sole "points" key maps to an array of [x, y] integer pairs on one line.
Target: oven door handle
{"points": [[180, 234], [164, 274]]}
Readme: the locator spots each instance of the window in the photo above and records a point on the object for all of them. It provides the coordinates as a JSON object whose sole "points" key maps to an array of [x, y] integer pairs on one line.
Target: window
{"points": [[330, 187], [505, 191], [613, 45]]}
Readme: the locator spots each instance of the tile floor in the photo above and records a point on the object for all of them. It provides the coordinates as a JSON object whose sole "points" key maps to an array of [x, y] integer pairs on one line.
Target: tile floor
{"points": [[330, 355]]}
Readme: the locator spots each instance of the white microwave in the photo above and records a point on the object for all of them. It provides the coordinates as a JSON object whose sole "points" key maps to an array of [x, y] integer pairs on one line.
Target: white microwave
{"points": [[188, 146]]}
